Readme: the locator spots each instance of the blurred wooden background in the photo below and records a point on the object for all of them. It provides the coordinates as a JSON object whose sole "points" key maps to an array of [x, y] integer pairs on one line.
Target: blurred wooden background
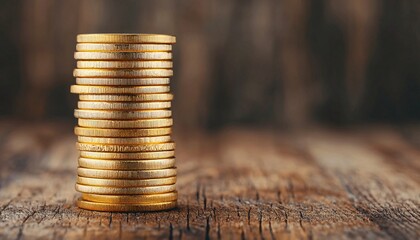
{"points": [[254, 62]]}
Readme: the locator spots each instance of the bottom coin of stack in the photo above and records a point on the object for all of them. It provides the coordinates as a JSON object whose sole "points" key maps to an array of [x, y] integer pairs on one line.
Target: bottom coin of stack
{"points": [[116, 176]]}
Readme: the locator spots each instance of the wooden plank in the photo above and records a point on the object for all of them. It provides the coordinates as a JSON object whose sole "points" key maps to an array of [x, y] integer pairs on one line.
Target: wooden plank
{"points": [[234, 184], [377, 187]]}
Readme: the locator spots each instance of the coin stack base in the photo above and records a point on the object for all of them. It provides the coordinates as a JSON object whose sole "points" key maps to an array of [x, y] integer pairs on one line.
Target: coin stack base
{"points": [[127, 155]]}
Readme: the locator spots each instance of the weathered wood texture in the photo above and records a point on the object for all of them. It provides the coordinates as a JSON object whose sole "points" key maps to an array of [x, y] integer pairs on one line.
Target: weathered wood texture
{"points": [[356, 183]]}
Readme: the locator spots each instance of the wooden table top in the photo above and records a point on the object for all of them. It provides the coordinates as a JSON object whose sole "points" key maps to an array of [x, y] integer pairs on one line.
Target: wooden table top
{"points": [[235, 184]]}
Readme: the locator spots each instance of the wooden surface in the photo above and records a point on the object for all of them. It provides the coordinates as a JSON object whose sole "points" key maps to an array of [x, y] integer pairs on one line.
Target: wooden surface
{"points": [[236, 184]]}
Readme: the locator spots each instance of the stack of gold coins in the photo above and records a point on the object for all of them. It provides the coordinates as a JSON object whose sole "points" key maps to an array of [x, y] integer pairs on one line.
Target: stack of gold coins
{"points": [[127, 160]]}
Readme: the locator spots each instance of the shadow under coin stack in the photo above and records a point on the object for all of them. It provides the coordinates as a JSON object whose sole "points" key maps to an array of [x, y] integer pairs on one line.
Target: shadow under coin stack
{"points": [[127, 160]]}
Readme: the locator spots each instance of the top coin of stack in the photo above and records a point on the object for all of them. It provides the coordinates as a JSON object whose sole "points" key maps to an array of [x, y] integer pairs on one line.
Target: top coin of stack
{"points": [[127, 160]]}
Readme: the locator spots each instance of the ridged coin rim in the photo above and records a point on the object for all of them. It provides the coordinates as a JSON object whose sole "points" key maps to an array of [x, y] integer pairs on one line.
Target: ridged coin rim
{"points": [[109, 164], [125, 38], [131, 199], [108, 207]]}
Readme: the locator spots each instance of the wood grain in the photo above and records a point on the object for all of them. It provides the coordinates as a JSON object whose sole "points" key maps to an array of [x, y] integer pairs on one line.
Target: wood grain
{"points": [[235, 184]]}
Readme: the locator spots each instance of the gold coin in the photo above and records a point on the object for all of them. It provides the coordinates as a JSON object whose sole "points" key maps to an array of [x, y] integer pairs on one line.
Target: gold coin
{"points": [[143, 123], [151, 147], [125, 191], [126, 174], [123, 55], [78, 89], [127, 164], [143, 114], [122, 47], [125, 38], [122, 183], [122, 81], [131, 199], [98, 132], [122, 141], [128, 156], [122, 72], [127, 98], [124, 64], [123, 106], [112, 207]]}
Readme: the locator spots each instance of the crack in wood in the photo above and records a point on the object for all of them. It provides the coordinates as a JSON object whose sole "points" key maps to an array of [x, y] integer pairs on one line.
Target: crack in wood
{"points": [[171, 232], [207, 236]]}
